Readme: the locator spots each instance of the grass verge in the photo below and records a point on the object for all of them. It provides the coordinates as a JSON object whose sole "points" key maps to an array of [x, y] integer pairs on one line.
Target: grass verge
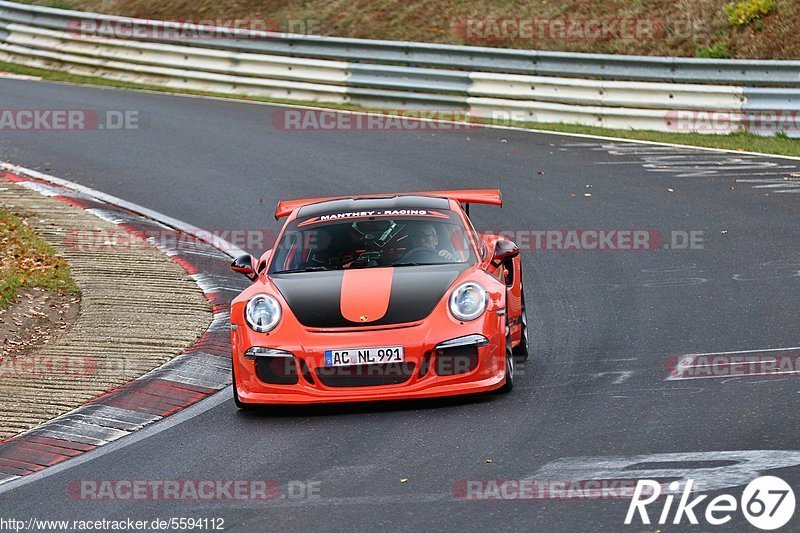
{"points": [[26, 260], [777, 145]]}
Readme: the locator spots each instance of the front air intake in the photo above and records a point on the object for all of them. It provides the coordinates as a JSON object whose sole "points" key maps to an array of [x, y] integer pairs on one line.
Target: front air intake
{"points": [[277, 370], [456, 360]]}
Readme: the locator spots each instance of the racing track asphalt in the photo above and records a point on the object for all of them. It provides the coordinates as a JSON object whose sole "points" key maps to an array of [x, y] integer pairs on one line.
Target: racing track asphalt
{"points": [[603, 323]]}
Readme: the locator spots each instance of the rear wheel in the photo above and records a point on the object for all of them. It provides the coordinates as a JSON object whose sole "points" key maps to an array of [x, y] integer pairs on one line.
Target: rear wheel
{"points": [[508, 386]]}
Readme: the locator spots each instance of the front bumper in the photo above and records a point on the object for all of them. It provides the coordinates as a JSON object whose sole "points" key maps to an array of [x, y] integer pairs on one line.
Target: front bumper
{"points": [[419, 342]]}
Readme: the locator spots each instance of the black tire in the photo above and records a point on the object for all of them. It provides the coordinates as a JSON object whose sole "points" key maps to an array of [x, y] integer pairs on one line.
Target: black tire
{"points": [[508, 385], [521, 351], [239, 404]]}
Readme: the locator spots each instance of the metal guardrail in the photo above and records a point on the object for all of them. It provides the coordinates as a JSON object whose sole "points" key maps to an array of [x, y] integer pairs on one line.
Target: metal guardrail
{"points": [[593, 89]]}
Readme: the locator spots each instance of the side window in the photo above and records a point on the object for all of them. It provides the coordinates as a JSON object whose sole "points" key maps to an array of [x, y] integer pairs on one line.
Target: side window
{"points": [[288, 256], [508, 268], [460, 243], [482, 250]]}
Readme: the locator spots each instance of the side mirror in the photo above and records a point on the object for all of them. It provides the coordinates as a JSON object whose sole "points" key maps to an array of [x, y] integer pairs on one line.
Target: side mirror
{"points": [[245, 264], [504, 250]]}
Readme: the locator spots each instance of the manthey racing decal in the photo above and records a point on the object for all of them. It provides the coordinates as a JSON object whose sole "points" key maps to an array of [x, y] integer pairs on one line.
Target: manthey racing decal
{"points": [[375, 213]]}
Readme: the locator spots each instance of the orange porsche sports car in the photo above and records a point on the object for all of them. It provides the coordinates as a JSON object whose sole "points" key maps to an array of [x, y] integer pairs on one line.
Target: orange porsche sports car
{"points": [[378, 297]]}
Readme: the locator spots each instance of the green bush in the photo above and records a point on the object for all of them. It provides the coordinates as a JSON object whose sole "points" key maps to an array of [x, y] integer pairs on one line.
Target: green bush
{"points": [[746, 11], [718, 50]]}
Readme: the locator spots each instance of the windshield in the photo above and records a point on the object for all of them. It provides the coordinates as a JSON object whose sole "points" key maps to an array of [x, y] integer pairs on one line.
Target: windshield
{"points": [[358, 240]]}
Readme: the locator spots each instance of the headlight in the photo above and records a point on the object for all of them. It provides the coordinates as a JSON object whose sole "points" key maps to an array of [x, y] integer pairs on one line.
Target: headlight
{"points": [[468, 301], [262, 312]]}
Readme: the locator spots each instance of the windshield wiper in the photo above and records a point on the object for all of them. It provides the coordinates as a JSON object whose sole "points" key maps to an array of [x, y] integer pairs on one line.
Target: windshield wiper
{"points": [[305, 269], [407, 264]]}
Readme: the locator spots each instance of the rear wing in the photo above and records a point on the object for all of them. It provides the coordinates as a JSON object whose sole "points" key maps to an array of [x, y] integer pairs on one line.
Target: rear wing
{"points": [[465, 197]]}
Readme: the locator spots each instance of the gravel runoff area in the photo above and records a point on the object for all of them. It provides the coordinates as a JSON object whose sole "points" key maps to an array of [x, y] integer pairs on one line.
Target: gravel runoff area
{"points": [[139, 309]]}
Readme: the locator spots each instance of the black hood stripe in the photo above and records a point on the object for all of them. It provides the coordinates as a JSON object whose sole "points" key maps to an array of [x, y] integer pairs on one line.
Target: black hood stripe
{"points": [[315, 297]]}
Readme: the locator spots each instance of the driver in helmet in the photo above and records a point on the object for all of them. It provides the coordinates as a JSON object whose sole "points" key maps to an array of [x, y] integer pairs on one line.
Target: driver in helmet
{"points": [[425, 237]]}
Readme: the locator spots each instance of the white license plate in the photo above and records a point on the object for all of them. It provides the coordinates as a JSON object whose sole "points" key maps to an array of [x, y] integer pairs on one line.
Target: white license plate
{"points": [[364, 356]]}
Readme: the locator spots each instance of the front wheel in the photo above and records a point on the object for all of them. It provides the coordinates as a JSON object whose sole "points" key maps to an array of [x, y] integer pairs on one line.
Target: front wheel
{"points": [[239, 404], [508, 386], [521, 350]]}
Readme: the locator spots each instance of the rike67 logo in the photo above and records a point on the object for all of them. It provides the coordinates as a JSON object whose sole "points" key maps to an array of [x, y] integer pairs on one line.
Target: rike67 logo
{"points": [[767, 502]]}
